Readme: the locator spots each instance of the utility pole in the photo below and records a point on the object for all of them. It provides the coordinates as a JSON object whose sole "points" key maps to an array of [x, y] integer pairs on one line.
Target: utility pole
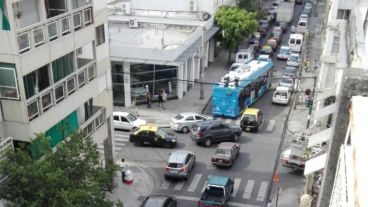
{"points": [[311, 104], [201, 74]]}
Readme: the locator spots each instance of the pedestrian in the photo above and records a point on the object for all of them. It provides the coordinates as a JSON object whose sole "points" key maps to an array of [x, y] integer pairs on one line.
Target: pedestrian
{"points": [[160, 98], [148, 99], [315, 66], [164, 98], [134, 106]]}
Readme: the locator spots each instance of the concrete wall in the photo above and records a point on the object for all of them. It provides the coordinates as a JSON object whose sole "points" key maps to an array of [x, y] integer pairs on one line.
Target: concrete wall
{"points": [[177, 5], [30, 13]]}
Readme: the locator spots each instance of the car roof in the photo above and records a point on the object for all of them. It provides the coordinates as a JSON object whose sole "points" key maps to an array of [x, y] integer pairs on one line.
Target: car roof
{"points": [[226, 145], [253, 111], [185, 114], [178, 156], [217, 180], [120, 113], [208, 122], [148, 127]]}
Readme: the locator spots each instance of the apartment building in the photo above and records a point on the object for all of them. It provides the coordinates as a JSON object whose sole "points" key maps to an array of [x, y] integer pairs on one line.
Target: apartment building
{"points": [[55, 70], [157, 44]]}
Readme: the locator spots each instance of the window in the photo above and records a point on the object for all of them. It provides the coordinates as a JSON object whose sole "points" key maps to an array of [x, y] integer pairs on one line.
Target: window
{"points": [[200, 118], [81, 79], [91, 72], [23, 42], [33, 110], [8, 81], [100, 34], [46, 101], [77, 20], [36, 81], [343, 14], [87, 16], [365, 24], [100, 120], [62, 67], [71, 85], [38, 36], [59, 93], [123, 119], [65, 27], [189, 118], [116, 118], [53, 31]]}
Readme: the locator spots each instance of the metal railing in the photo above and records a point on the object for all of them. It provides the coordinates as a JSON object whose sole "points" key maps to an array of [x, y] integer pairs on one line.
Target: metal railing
{"points": [[97, 119]]}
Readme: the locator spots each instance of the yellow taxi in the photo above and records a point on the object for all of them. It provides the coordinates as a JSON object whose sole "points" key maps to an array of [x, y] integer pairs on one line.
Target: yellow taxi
{"points": [[251, 119], [153, 135]]}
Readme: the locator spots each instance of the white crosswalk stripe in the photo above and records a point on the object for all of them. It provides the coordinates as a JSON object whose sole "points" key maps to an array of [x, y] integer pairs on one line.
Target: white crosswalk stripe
{"points": [[248, 189], [179, 185], [236, 186], [165, 185], [261, 125], [262, 191], [194, 183], [271, 124]]}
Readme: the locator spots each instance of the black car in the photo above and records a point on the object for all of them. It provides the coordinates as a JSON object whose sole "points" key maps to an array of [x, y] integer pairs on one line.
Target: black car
{"points": [[208, 132], [159, 201], [153, 135], [263, 27]]}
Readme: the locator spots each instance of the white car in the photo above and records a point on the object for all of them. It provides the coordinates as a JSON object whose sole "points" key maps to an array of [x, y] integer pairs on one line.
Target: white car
{"points": [[127, 121], [183, 122], [288, 83], [284, 52], [281, 95], [304, 16], [293, 60]]}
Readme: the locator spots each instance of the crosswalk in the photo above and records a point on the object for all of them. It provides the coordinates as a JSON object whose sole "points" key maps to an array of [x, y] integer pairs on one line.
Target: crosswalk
{"points": [[246, 189], [266, 125], [121, 140]]}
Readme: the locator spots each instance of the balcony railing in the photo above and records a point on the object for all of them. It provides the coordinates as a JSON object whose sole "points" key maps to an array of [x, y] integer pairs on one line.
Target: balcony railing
{"points": [[5, 144], [97, 119], [54, 28], [53, 95]]}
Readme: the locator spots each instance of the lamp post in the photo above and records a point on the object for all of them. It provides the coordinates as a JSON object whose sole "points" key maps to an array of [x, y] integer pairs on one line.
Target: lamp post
{"points": [[311, 104], [201, 75]]}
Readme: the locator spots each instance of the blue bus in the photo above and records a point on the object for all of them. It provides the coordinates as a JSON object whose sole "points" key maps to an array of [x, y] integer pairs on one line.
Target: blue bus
{"points": [[241, 88]]}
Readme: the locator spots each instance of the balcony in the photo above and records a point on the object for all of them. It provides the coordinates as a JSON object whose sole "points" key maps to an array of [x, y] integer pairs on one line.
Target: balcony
{"points": [[54, 28], [94, 122], [56, 93], [5, 144]]}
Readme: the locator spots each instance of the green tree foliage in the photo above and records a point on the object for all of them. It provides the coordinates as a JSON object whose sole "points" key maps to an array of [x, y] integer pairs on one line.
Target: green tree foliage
{"points": [[235, 24], [71, 176], [249, 5]]}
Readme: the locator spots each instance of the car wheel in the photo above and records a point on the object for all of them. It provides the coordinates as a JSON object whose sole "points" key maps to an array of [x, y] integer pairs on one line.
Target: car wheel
{"points": [[208, 142], [235, 137], [185, 130]]}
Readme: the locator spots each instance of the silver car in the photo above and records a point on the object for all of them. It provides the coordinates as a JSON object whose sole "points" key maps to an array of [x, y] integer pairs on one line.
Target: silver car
{"points": [[180, 164], [184, 121]]}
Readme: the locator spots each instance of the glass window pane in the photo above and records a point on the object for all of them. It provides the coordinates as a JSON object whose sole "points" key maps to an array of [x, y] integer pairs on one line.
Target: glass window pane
{"points": [[38, 36], [63, 67], [52, 29], [141, 77], [71, 85], [59, 93], [33, 110], [139, 68], [46, 101]]}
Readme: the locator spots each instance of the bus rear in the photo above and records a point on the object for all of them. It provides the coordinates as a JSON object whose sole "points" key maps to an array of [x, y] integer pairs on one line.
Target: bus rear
{"points": [[225, 101]]}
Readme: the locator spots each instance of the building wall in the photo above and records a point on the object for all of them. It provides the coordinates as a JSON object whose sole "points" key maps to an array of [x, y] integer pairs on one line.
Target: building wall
{"points": [[177, 5]]}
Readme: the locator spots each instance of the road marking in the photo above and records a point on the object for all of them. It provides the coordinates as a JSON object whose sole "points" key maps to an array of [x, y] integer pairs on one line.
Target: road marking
{"points": [[248, 189], [262, 191], [194, 183], [165, 185], [227, 121], [271, 124], [121, 135], [122, 139], [237, 122], [179, 185], [234, 204], [236, 186]]}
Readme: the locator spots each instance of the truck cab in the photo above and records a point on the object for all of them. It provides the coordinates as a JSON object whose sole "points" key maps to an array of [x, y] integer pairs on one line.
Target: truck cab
{"points": [[216, 191], [245, 55]]}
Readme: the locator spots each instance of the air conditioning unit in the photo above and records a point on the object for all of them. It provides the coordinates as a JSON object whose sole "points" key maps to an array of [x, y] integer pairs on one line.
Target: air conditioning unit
{"points": [[192, 5], [133, 23], [125, 7]]}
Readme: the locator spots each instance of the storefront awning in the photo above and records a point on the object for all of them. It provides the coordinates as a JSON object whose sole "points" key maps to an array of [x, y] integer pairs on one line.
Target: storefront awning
{"points": [[325, 111], [319, 137], [315, 164]]}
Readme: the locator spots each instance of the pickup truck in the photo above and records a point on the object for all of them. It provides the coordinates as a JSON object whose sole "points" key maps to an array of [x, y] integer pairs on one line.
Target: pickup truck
{"points": [[216, 191]]}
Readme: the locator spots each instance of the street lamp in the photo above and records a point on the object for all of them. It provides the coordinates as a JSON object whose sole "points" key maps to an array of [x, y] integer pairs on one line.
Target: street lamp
{"points": [[311, 101]]}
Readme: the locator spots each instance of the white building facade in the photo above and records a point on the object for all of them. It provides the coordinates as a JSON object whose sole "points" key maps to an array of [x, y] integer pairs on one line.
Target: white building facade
{"points": [[157, 44], [55, 70]]}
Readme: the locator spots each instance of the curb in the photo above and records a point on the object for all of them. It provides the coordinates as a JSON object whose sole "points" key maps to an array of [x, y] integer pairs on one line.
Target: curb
{"points": [[206, 105]]}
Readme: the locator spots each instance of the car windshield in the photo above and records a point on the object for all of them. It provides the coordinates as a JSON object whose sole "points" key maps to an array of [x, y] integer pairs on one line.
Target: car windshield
{"points": [[161, 132], [249, 117], [293, 58], [233, 67], [178, 117], [175, 165], [284, 50], [225, 152], [289, 71], [131, 117], [281, 94], [287, 81]]}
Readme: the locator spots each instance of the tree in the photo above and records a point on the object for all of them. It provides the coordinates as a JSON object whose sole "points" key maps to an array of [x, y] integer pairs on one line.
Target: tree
{"points": [[70, 176], [235, 24], [249, 5]]}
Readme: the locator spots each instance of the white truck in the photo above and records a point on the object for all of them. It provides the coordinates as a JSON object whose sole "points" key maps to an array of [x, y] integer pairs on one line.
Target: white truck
{"points": [[285, 14]]}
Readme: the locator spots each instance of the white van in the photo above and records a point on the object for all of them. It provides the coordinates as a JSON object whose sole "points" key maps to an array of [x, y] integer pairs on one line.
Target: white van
{"points": [[302, 26], [296, 42], [245, 55], [281, 95]]}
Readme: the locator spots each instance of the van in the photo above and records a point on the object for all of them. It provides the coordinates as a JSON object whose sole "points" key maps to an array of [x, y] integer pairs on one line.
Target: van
{"points": [[302, 25], [245, 55], [296, 42]]}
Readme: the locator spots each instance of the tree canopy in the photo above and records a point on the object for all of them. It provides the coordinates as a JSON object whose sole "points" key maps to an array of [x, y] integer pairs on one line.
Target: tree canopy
{"points": [[235, 24], [70, 176]]}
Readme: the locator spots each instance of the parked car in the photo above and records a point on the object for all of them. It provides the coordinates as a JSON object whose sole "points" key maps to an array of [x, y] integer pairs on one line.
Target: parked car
{"points": [[263, 27], [293, 60], [180, 164], [153, 135], [159, 201], [308, 5], [281, 95], [283, 53], [254, 39], [225, 154], [303, 16], [251, 119], [278, 37], [183, 122], [216, 191], [127, 121], [290, 72], [266, 50], [287, 82], [211, 131]]}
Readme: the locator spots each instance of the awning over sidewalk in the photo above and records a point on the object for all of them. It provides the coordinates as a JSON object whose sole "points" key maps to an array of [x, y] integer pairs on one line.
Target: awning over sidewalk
{"points": [[315, 164], [325, 111], [319, 137]]}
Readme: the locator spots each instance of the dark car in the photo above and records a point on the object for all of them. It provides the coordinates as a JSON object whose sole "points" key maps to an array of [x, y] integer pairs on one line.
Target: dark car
{"points": [[159, 201], [263, 27], [208, 132], [216, 191], [153, 135]]}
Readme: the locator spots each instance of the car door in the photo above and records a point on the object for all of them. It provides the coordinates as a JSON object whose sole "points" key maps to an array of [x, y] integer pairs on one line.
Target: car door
{"points": [[226, 133], [189, 121], [189, 161], [117, 122], [145, 137], [125, 123], [217, 134]]}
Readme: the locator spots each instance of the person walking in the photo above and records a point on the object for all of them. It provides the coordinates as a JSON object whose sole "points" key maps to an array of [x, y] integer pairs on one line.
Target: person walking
{"points": [[160, 98], [148, 99], [315, 66], [164, 98], [134, 106]]}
